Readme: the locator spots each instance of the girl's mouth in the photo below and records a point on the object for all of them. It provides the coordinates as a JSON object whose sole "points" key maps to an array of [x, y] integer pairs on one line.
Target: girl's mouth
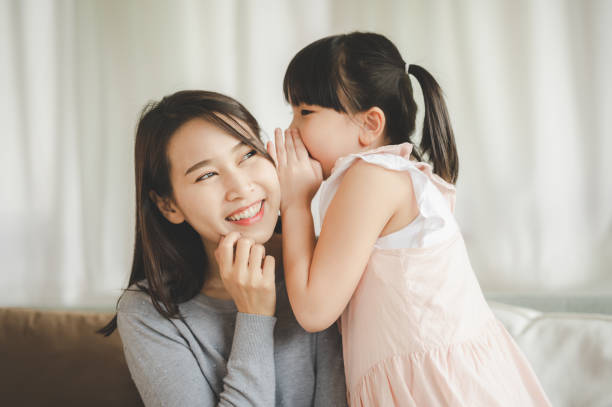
{"points": [[249, 215]]}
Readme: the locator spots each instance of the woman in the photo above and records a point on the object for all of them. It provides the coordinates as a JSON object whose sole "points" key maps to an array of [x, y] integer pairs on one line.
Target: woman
{"points": [[206, 320]]}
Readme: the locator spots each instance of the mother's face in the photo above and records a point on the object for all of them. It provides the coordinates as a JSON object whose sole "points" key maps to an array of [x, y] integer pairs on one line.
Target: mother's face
{"points": [[221, 184]]}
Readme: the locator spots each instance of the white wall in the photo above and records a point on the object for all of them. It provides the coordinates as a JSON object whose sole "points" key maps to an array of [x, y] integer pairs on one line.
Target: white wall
{"points": [[527, 83]]}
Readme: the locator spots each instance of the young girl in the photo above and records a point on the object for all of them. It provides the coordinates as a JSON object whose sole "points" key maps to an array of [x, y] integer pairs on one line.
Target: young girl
{"points": [[390, 259], [204, 321]]}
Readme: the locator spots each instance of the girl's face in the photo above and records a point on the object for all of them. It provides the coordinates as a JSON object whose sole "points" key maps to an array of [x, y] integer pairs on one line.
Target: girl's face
{"points": [[221, 185], [327, 134]]}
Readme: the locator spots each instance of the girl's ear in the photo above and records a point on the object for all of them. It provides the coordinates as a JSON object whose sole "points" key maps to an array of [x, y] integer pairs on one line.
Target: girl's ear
{"points": [[373, 126], [168, 208]]}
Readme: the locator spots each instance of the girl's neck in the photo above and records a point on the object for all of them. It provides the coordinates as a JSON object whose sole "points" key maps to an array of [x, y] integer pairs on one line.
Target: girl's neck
{"points": [[379, 142]]}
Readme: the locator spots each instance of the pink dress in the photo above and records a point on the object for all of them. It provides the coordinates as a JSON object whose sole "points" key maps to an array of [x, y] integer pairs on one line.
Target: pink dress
{"points": [[418, 331]]}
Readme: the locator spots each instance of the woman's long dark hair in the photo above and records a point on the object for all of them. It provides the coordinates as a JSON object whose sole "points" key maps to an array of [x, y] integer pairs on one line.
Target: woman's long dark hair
{"points": [[170, 258], [353, 72]]}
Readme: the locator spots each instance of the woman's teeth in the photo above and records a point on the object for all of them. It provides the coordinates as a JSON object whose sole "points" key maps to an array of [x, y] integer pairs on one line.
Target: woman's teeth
{"points": [[247, 213]]}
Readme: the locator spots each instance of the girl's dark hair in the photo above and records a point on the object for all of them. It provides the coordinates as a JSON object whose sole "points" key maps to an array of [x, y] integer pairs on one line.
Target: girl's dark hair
{"points": [[170, 257], [353, 72]]}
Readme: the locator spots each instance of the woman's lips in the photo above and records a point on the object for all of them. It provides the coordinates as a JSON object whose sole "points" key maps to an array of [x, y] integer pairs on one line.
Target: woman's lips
{"points": [[248, 220]]}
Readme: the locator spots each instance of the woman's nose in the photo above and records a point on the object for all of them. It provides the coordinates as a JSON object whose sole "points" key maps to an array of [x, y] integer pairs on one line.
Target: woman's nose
{"points": [[239, 185]]}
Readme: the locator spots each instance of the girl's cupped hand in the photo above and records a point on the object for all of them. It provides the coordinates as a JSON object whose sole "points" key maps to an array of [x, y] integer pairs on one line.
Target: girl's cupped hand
{"points": [[247, 274], [300, 176]]}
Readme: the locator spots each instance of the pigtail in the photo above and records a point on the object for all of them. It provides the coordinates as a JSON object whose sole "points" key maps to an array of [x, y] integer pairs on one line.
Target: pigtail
{"points": [[438, 140]]}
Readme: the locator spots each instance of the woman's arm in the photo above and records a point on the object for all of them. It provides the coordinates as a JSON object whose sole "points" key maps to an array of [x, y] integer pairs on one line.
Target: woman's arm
{"points": [[179, 363], [167, 371]]}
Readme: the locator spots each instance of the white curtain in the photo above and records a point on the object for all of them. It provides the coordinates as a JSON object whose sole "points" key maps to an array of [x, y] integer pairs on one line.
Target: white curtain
{"points": [[527, 82]]}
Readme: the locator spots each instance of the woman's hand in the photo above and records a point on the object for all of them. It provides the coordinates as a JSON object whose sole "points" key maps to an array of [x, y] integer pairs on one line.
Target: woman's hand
{"points": [[300, 176], [247, 274]]}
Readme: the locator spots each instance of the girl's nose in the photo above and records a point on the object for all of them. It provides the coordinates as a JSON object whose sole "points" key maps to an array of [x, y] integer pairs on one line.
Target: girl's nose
{"points": [[293, 124], [239, 186]]}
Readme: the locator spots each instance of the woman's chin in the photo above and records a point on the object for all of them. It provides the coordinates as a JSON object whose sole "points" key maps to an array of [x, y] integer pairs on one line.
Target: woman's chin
{"points": [[259, 236]]}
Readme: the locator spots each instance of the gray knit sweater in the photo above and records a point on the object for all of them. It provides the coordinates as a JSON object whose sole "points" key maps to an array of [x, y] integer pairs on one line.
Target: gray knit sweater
{"points": [[218, 356]]}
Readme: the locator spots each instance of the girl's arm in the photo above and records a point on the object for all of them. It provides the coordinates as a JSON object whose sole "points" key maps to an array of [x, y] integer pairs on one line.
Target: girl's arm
{"points": [[321, 278]]}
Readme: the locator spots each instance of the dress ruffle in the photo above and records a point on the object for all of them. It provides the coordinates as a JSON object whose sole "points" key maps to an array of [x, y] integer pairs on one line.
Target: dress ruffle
{"points": [[485, 371]]}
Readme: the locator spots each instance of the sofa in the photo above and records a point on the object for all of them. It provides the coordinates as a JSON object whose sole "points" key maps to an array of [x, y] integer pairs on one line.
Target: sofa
{"points": [[570, 352], [54, 358]]}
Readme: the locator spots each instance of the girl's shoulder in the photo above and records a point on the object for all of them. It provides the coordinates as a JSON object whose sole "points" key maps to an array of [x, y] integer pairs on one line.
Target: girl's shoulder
{"points": [[377, 173], [380, 182], [396, 158], [387, 173]]}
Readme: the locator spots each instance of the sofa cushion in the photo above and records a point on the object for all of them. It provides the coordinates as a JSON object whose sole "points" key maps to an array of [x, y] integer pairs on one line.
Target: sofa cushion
{"points": [[55, 358], [571, 353]]}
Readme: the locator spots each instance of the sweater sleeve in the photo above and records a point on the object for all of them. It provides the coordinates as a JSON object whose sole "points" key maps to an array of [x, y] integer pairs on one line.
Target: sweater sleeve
{"points": [[251, 376], [167, 373], [330, 383]]}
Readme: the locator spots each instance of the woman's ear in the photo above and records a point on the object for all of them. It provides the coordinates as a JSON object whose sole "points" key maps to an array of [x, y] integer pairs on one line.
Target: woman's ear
{"points": [[168, 208], [373, 126]]}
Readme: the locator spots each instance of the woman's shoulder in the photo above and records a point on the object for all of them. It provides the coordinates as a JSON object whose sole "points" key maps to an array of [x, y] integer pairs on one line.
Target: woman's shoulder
{"points": [[136, 300]]}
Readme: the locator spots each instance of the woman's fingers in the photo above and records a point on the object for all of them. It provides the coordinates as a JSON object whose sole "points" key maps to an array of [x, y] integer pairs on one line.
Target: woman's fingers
{"points": [[247, 274], [243, 250], [225, 251], [268, 269], [255, 259]]}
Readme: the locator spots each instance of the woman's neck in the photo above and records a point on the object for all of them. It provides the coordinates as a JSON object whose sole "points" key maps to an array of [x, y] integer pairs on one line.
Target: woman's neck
{"points": [[213, 285]]}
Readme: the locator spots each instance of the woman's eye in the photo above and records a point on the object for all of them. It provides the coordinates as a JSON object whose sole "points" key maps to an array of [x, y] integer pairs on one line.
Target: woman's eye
{"points": [[206, 176], [305, 112], [249, 155]]}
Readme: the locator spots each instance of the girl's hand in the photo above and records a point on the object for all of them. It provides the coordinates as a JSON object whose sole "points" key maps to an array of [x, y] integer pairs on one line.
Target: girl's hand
{"points": [[299, 175], [248, 275]]}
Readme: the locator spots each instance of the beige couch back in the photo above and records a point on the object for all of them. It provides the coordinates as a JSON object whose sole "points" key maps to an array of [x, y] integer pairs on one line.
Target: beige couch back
{"points": [[54, 358]]}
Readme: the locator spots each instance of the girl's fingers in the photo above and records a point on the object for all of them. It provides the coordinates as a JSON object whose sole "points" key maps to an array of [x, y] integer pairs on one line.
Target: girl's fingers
{"points": [[300, 148], [272, 152], [279, 143], [289, 147], [316, 168]]}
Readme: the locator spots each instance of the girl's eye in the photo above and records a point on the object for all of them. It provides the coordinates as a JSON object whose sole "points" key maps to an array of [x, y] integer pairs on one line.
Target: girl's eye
{"points": [[206, 176], [305, 112], [249, 155]]}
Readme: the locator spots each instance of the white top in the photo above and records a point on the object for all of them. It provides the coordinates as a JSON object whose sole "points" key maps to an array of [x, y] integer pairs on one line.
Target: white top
{"points": [[435, 222]]}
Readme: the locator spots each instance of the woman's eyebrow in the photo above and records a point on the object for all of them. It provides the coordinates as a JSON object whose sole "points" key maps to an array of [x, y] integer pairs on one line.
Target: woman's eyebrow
{"points": [[208, 160]]}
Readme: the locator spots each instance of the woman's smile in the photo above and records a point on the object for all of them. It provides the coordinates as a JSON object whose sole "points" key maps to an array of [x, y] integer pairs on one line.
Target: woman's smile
{"points": [[247, 215]]}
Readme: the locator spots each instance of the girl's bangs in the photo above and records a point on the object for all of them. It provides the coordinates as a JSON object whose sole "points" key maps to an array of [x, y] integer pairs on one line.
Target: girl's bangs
{"points": [[313, 79]]}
